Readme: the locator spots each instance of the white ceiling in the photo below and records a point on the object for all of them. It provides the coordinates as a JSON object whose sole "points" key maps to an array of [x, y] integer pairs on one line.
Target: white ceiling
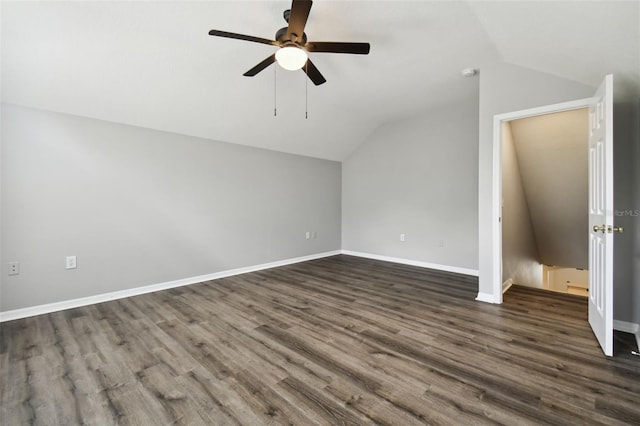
{"points": [[153, 64]]}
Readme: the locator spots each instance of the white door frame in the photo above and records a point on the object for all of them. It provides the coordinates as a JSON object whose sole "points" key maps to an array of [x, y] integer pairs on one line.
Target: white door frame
{"points": [[496, 201]]}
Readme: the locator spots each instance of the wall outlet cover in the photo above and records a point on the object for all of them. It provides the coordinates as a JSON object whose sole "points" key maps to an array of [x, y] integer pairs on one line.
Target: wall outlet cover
{"points": [[71, 262], [14, 268]]}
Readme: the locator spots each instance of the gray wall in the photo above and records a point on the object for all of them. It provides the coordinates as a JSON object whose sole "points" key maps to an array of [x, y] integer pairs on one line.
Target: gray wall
{"points": [[141, 207], [635, 197], [417, 177], [520, 257], [626, 248]]}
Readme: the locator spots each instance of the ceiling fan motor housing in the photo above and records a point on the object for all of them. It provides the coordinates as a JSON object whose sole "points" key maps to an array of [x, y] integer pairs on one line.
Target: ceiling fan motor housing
{"points": [[281, 36], [292, 40]]}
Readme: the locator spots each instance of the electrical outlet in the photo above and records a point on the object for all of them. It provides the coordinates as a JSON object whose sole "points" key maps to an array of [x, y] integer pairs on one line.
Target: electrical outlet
{"points": [[402, 238], [14, 268], [71, 262], [441, 243], [307, 235], [313, 235]]}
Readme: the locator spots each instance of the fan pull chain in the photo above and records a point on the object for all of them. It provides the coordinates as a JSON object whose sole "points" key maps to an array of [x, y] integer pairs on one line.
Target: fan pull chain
{"points": [[275, 79], [306, 90]]}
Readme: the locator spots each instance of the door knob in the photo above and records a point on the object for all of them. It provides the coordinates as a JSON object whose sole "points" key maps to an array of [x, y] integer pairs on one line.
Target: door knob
{"points": [[610, 229]]}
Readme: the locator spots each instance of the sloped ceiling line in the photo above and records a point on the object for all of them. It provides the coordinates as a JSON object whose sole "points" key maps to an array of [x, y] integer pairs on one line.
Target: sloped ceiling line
{"points": [[153, 64]]}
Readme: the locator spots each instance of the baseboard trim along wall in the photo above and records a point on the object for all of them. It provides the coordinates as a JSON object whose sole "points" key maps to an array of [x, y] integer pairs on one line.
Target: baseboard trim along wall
{"points": [[628, 327], [487, 298], [482, 297], [624, 326], [506, 285], [90, 300], [455, 269]]}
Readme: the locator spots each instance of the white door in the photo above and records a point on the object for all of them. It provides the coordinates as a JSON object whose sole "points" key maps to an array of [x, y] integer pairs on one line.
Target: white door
{"points": [[601, 215]]}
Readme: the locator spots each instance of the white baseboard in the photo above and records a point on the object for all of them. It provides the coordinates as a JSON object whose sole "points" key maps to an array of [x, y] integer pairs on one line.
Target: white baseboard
{"points": [[506, 285], [628, 327], [446, 268], [486, 297], [105, 297]]}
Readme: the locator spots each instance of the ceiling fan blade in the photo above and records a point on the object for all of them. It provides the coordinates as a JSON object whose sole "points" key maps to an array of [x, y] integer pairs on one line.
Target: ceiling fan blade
{"points": [[243, 37], [338, 47], [313, 73], [298, 18], [262, 65]]}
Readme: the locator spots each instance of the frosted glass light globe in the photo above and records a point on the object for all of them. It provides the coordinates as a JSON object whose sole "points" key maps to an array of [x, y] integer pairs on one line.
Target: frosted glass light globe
{"points": [[291, 58]]}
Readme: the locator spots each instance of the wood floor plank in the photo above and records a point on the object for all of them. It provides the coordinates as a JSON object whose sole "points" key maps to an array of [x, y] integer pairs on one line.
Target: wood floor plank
{"points": [[338, 340], [319, 404]]}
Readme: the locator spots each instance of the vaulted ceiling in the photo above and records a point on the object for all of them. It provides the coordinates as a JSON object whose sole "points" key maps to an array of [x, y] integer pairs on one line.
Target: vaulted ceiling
{"points": [[153, 64]]}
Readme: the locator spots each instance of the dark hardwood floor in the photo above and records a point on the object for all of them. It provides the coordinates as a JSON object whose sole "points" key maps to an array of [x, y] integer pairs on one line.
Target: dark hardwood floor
{"points": [[340, 340]]}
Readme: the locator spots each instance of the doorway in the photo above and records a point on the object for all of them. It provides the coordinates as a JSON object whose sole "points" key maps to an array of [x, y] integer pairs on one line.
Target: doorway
{"points": [[601, 228], [496, 277], [545, 174]]}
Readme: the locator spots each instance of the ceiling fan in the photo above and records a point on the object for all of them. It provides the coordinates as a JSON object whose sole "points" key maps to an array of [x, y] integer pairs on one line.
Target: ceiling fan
{"points": [[293, 45]]}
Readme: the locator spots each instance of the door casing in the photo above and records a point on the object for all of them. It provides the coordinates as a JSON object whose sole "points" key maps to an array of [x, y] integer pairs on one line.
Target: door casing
{"points": [[496, 202]]}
